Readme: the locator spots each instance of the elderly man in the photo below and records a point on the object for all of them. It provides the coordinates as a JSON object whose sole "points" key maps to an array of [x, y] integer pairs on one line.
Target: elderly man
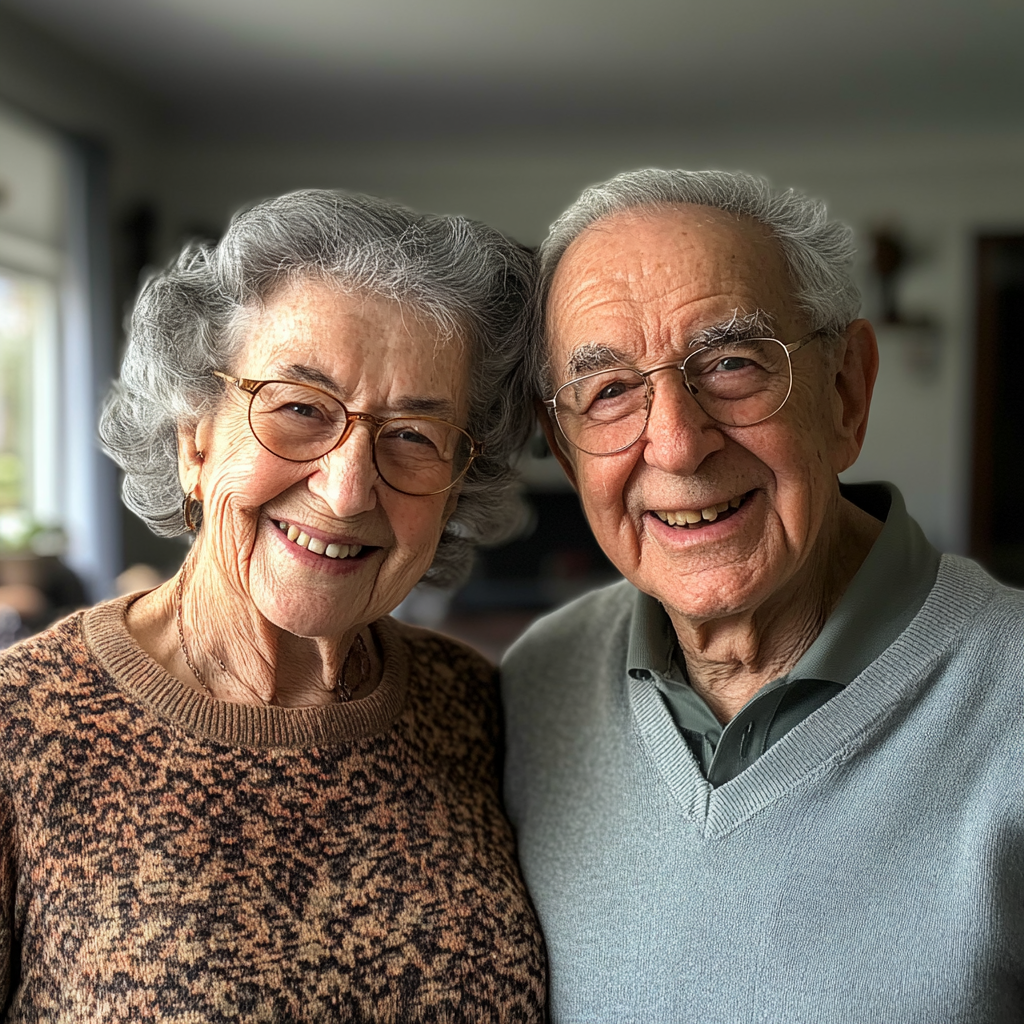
{"points": [[777, 773]]}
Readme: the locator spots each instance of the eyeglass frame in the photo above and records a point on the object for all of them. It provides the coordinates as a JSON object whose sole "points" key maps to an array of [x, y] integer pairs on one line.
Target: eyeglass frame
{"points": [[794, 346], [253, 387]]}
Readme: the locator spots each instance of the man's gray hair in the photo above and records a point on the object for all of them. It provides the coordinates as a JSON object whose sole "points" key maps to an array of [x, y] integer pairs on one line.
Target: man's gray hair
{"points": [[817, 252], [467, 280]]}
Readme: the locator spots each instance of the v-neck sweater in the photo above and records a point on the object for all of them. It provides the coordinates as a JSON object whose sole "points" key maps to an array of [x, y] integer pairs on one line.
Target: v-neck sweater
{"points": [[868, 866], [167, 856]]}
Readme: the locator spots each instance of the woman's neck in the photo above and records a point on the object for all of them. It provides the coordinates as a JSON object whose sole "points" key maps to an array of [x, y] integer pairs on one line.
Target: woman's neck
{"points": [[213, 638]]}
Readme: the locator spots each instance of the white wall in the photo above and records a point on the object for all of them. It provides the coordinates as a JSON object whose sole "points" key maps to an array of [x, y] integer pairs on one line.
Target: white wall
{"points": [[939, 188]]}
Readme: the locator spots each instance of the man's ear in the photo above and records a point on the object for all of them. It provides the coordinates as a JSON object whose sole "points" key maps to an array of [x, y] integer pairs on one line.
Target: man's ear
{"points": [[193, 444], [556, 441], [854, 383]]}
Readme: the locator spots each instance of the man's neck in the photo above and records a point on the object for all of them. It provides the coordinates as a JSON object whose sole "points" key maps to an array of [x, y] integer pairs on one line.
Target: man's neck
{"points": [[729, 659]]}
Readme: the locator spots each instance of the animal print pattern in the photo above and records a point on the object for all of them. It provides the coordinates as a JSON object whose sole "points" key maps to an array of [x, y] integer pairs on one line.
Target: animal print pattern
{"points": [[168, 857]]}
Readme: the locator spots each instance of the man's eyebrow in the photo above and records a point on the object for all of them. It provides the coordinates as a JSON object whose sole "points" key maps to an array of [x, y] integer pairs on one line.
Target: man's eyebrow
{"points": [[590, 357], [758, 324], [442, 408]]}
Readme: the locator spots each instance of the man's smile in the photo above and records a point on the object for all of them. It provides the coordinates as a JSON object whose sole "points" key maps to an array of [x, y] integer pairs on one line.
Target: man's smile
{"points": [[695, 519]]}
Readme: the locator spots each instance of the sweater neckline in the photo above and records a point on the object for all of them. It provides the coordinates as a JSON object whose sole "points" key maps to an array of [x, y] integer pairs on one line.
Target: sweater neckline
{"points": [[136, 674], [831, 734]]}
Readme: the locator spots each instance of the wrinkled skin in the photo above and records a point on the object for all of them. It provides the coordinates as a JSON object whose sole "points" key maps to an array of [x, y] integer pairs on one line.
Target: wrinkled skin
{"points": [[748, 593], [282, 619]]}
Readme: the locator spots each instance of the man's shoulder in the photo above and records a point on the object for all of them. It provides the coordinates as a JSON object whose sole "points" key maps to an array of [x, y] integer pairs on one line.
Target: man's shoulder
{"points": [[576, 631], [984, 597], [978, 620]]}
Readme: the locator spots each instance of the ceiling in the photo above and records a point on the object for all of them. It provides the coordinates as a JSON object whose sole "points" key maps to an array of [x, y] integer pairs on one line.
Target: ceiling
{"points": [[325, 66]]}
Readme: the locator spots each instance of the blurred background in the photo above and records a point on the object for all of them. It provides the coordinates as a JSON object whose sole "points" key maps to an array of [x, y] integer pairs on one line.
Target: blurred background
{"points": [[129, 126]]}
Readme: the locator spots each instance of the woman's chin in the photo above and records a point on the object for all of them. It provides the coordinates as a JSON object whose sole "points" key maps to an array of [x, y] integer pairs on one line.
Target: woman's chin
{"points": [[309, 617]]}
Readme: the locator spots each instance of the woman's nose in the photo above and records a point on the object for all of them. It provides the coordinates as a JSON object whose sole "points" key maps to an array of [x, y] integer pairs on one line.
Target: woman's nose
{"points": [[346, 476], [680, 435]]}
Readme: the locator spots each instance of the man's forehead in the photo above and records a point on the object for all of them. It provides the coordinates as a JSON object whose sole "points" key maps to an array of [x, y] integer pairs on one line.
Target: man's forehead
{"points": [[693, 265], [678, 228]]}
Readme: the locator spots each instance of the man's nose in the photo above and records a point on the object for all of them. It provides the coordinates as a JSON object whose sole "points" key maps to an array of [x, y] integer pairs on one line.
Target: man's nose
{"points": [[680, 435], [347, 475]]}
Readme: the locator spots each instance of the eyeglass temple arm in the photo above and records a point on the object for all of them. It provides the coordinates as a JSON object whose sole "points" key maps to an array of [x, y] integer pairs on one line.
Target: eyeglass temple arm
{"points": [[795, 346], [242, 383]]}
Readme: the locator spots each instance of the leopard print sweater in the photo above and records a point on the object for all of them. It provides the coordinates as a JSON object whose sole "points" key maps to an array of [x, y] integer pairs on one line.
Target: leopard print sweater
{"points": [[165, 856]]}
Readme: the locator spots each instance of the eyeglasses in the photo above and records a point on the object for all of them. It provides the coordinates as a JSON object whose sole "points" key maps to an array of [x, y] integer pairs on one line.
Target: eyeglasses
{"points": [[417, 455], [737, 383]]}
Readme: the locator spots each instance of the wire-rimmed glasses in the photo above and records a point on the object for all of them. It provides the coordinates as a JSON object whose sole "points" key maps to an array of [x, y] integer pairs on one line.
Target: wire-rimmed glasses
{"points": [[736, 382], [416, 455]]}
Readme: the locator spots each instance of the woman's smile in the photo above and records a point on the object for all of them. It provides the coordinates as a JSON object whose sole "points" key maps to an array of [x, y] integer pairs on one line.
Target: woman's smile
{"points": [[341, 555]]}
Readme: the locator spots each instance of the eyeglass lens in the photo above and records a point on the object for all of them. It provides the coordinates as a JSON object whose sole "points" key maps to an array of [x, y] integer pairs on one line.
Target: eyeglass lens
{"points": [[301, 424], [738, 384]]}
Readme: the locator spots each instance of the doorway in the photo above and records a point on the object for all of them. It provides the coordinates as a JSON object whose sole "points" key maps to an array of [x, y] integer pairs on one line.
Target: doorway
{"points": [[997, 528]]}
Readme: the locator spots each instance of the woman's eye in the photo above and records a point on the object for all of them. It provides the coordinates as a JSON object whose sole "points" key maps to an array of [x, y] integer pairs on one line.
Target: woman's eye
{"points": [[412, 436], [300, 409]]}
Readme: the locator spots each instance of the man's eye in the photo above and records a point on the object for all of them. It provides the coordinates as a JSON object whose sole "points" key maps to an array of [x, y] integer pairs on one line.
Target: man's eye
{"points": [[731, 364], [609, 391]]}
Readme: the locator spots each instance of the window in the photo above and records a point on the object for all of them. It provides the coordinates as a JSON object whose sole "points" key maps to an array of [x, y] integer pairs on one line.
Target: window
{"points": [[28, 405]]}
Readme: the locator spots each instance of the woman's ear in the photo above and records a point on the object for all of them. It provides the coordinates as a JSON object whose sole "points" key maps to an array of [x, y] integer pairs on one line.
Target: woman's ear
{"points": [[854, 383], [193, 443]]}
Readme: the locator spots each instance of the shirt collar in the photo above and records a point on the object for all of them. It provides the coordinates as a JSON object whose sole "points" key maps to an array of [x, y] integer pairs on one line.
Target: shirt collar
{"points": [[882, 598]]}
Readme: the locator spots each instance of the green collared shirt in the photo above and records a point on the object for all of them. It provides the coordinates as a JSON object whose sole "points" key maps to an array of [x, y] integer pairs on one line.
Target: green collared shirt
{"points": [[882, 598]]}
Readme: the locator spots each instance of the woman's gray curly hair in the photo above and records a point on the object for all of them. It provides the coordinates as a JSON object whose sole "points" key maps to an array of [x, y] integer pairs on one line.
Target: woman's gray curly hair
{"points": [[818, 252], [461, 276]]}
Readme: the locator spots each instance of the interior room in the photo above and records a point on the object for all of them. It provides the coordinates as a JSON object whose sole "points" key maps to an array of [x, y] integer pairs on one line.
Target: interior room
{"points": [[127, 128]]}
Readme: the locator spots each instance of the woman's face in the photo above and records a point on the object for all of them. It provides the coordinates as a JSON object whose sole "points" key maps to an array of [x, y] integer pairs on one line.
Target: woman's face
{"points": [[376, 358]]}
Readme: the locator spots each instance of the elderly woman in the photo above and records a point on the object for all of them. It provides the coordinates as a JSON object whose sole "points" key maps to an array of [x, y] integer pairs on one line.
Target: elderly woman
{"points": [[249, 793]]}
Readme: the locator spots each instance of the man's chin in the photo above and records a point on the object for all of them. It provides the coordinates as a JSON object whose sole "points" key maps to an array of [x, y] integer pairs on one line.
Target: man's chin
{"points": [[713, 597]]}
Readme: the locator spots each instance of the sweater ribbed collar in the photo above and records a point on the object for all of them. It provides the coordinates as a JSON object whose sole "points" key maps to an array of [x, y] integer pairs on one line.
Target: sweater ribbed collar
{"points": [[141, 679]]}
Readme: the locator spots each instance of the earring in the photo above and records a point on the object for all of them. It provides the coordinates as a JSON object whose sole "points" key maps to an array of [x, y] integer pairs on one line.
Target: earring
{"points": [[191, 510]]}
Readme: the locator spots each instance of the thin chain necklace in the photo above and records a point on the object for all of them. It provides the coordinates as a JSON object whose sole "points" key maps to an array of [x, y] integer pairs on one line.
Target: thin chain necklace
{"points": [[181, 634], [341, 686]]}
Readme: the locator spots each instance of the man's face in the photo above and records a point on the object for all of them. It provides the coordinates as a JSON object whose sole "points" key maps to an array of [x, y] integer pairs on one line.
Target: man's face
{"points": [[644, 285]]}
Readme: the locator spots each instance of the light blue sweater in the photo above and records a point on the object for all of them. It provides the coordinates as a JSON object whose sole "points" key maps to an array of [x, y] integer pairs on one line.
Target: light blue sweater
{"points": [[868, 867]]}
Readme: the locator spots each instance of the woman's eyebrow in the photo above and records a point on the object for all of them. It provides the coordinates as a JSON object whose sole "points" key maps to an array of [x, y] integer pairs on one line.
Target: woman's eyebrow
{"points": [[310, 375], [443, 408]]}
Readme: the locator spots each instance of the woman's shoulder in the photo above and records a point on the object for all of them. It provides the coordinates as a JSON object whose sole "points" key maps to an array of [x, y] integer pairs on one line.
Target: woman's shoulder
{"points": [[56, 652], [435, 654], [448, 681]]}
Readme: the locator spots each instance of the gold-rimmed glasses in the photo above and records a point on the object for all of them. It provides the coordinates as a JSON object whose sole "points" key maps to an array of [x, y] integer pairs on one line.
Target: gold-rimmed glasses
{"points": [[736, 382], [416, 455]]}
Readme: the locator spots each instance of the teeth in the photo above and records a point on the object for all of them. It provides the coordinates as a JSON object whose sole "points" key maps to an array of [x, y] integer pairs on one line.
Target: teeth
{"points": [[317, 546], [688, 517]]}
